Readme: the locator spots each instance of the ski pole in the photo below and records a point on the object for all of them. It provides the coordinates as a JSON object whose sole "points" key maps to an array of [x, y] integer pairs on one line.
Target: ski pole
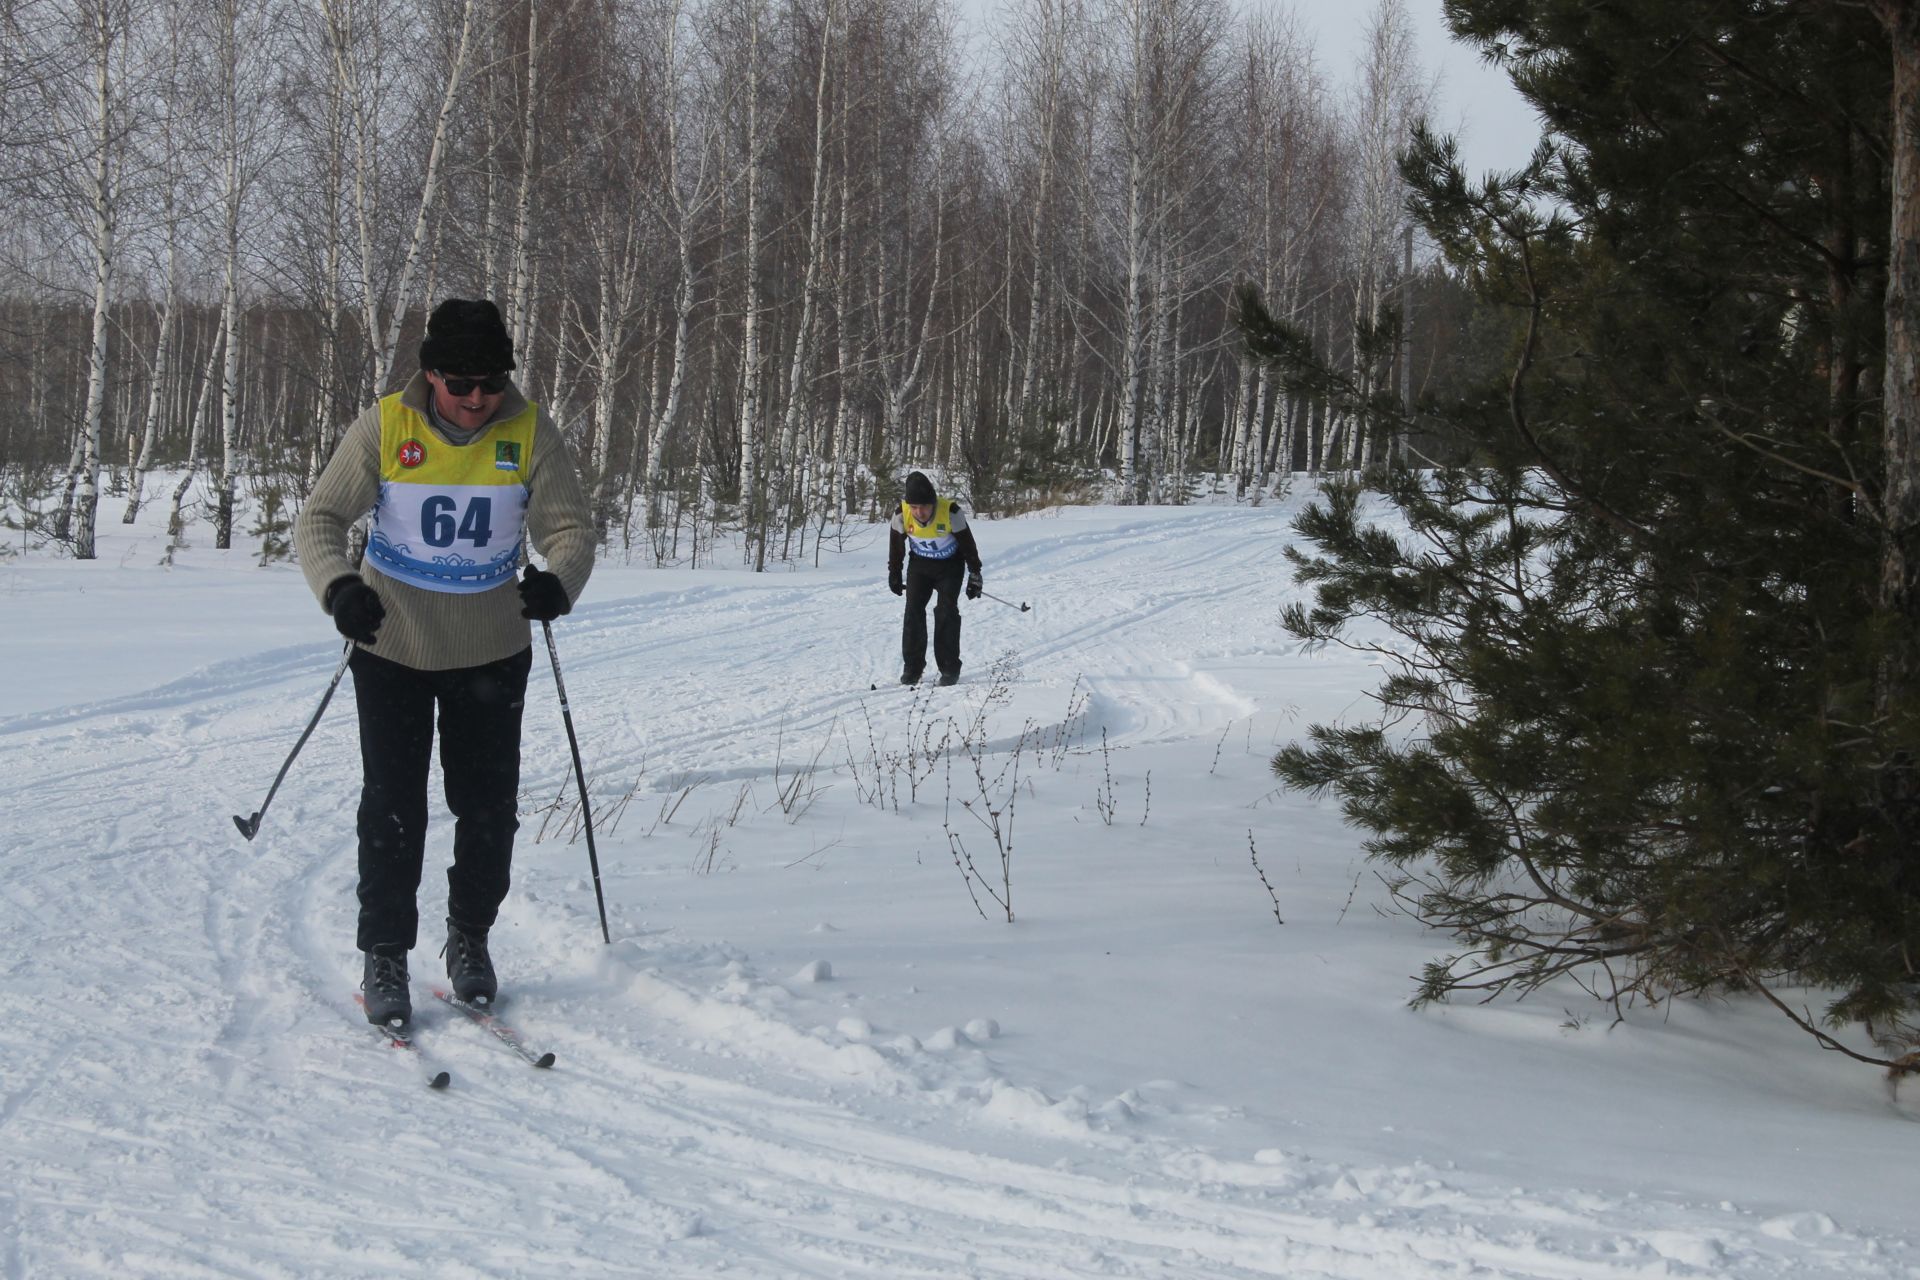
{"points": [[580, 776], [1023, 606], [250, 827]]}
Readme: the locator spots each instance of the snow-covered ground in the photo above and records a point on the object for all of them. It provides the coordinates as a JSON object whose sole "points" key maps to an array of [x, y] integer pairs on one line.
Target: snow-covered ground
{"points": [[806, 1052]]}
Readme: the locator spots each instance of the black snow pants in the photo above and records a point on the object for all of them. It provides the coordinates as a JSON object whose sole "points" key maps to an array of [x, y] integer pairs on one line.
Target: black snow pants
{"points": [[480, 766], [925, 577]]}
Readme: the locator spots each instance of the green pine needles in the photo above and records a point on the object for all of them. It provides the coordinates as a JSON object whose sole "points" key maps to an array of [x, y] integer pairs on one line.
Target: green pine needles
{"points": [[1644, 725]]}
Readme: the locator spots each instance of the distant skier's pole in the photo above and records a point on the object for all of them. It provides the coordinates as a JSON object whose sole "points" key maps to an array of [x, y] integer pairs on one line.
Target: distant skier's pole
{"points": [[250, 827], [1023, 606], [579, 776]]}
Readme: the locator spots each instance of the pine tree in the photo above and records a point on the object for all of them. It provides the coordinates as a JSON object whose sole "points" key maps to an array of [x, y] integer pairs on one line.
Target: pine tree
{"points": [[1637, 722], [273, 526]]}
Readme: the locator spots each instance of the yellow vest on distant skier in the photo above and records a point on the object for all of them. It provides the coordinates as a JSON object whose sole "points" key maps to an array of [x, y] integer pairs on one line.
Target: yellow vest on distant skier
{"points": [[450, 517], [933, 540]]}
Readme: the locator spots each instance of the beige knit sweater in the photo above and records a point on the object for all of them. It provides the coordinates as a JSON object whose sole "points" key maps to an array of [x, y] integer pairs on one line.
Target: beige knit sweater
{"points": [[437, 630]]}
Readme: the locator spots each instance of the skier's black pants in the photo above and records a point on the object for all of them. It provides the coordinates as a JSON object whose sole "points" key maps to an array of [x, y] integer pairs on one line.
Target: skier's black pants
{"points": [[480, 766], [924, 578]]}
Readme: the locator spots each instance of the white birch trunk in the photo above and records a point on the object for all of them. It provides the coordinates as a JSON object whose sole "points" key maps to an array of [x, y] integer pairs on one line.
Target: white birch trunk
{"points": [[332, 317], [157, 393], [800, 374], [1242, 430], [843, 446], [490, 218], [618, 277], [903, 385], [1131, 372], [520, 291], [680, 209], [87, 494], [1159, 368], [669, 417], [384, 338], [607, 337], [225, 478], [748, 475], [197, 416]]}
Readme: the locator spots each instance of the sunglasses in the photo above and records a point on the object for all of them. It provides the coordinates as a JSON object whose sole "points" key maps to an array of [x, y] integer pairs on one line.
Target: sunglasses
{"points": [[493, 384]]}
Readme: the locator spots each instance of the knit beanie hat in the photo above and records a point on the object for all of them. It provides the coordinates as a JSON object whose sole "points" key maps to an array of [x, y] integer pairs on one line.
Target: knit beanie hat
{"points": [[466, 336], [919, 490]]}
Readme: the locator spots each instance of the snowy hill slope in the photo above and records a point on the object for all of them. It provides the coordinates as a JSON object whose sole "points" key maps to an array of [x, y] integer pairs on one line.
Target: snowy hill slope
{"points": [[808, 1052]]}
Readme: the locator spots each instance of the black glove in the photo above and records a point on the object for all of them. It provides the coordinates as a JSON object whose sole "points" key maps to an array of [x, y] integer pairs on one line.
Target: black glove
{"points": [[356, 609], [974, 584], [894, 584], [542, 598]]}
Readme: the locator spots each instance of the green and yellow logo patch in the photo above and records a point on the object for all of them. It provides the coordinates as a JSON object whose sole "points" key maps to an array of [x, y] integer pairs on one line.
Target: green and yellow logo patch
{"points": [[506, 455]]}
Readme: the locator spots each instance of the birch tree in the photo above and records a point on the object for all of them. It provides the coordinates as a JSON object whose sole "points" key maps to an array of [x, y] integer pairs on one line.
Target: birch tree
{"points": [[1160, 67], [910, 136], [691, 188], [106, 27], [68, 75], [196, 429], [799, 405], [314, 186], [1039, 45], [226, 53], [1291, 184], [358, 51], [1391, 97], [750, 369], [160, 369]]}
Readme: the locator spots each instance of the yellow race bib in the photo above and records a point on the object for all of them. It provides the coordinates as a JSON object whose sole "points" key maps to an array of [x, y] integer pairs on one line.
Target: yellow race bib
{"points": [[450, 517]]}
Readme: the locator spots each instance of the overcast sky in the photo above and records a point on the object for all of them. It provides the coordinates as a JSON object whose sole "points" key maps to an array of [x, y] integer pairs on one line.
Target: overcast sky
{"points": [[1495, 127]]}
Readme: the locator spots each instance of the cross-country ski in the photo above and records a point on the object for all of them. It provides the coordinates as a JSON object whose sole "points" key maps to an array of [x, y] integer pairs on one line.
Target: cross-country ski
{"points": [[399, 1036], [491, 1024]]}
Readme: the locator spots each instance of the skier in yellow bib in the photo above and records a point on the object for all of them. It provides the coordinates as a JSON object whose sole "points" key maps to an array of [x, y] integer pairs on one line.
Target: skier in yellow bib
{"points": [[928, 545], [456, 470]]}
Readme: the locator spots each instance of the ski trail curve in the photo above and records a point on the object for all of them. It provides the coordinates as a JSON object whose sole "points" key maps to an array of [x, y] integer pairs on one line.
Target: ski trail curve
{"points": [[185, 1093]]}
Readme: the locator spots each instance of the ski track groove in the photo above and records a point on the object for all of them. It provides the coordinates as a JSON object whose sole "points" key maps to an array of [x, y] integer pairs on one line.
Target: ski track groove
{"points": [[1086, 641], [795, 1150], [642, 1160], [1140, 599]]}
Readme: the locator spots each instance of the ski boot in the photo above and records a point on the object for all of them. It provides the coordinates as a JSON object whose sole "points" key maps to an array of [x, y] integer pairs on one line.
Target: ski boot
{"points": [[384, 980], [469, 967]]}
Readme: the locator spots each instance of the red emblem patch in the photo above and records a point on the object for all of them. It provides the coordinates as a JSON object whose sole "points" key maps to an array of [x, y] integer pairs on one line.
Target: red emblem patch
{"points": [[412, 453]]}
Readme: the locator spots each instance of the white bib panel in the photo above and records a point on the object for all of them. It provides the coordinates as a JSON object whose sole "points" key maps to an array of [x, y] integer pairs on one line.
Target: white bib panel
{"points": [[458, 538]]}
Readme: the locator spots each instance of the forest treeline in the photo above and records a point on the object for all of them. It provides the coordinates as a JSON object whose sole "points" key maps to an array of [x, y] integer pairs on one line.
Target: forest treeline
{"points": [[756, 255]]}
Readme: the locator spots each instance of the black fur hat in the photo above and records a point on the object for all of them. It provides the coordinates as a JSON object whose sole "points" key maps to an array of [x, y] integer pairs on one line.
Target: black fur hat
{"points": [[466, 336], [919, 490]]}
